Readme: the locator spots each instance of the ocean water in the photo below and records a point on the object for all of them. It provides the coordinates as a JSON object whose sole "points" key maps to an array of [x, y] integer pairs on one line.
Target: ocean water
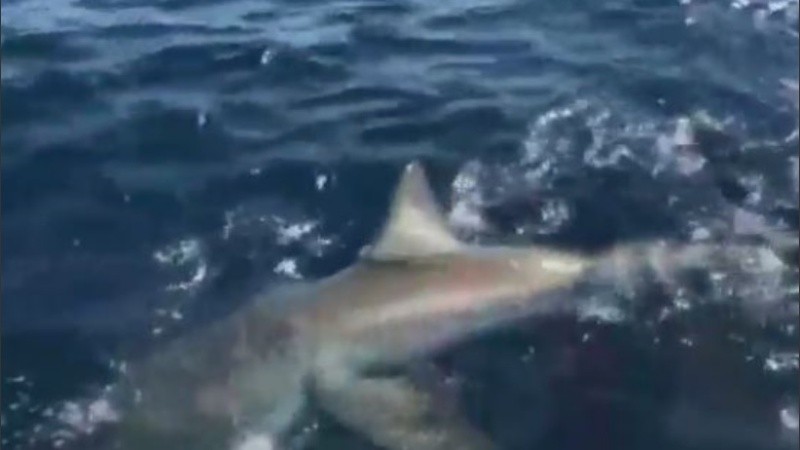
{"points": [[161, 159]]}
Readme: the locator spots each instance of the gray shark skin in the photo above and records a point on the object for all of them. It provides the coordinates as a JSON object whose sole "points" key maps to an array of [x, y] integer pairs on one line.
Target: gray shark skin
{"points": [[416, 291]]}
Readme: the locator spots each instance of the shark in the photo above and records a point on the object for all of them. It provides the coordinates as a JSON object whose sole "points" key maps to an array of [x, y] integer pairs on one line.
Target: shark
{"points": [[349, 342]]}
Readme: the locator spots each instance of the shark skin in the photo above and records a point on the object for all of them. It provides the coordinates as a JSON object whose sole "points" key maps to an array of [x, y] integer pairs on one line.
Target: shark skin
{"points": [[346, 340]]}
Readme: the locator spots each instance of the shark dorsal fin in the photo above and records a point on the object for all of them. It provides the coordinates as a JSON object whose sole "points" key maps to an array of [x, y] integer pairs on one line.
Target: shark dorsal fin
{"points": [[415, 226]]}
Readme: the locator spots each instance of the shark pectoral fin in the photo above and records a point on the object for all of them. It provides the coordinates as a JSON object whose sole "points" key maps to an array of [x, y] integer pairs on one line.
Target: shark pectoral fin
{"points": [[415, 226], [396, 415]]}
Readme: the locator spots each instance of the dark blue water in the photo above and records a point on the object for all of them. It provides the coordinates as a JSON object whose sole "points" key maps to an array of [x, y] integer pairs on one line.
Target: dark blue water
{"points": [[162, 159]]}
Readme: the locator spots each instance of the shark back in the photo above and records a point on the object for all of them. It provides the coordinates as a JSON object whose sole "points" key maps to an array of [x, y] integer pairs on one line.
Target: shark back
{"points": [[418, 288]]}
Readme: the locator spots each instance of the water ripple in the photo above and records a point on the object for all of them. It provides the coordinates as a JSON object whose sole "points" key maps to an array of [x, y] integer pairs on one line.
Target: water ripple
{"points": [[133, 125]]}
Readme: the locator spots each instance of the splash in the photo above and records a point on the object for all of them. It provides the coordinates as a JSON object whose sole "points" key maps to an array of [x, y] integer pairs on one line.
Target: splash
{"points": [[179, 254], [69, 420], [467, 200], [283, 228], [185, 255]]}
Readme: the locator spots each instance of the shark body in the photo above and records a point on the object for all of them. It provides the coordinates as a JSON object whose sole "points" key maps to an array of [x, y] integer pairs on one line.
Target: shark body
{"points": [[345, 340]]}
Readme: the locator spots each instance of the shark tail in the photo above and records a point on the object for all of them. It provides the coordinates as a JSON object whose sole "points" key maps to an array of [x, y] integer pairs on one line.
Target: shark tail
{"points": [[671, 268]]}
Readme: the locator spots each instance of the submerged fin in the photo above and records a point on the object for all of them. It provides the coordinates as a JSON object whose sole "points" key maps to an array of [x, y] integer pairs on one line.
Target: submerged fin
{"points": [[396, 415], [415, 226]]}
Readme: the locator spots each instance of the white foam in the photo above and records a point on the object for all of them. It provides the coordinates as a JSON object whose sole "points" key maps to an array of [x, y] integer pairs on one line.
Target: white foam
{"points": [[288, 267], [19, 379], [684, 133], [227, 228], [266, 56], [555, 213], [783, 361], [467, 200], [199, 275], [255, 442], [701, 234], [84, 418], [745, 222], [288, 233], [321, 181], [789, 418], [601, 311], [466, 215], [180, 253], [466, 181], [769, 261], [101, 410], [615, 136], [681, 303]]}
